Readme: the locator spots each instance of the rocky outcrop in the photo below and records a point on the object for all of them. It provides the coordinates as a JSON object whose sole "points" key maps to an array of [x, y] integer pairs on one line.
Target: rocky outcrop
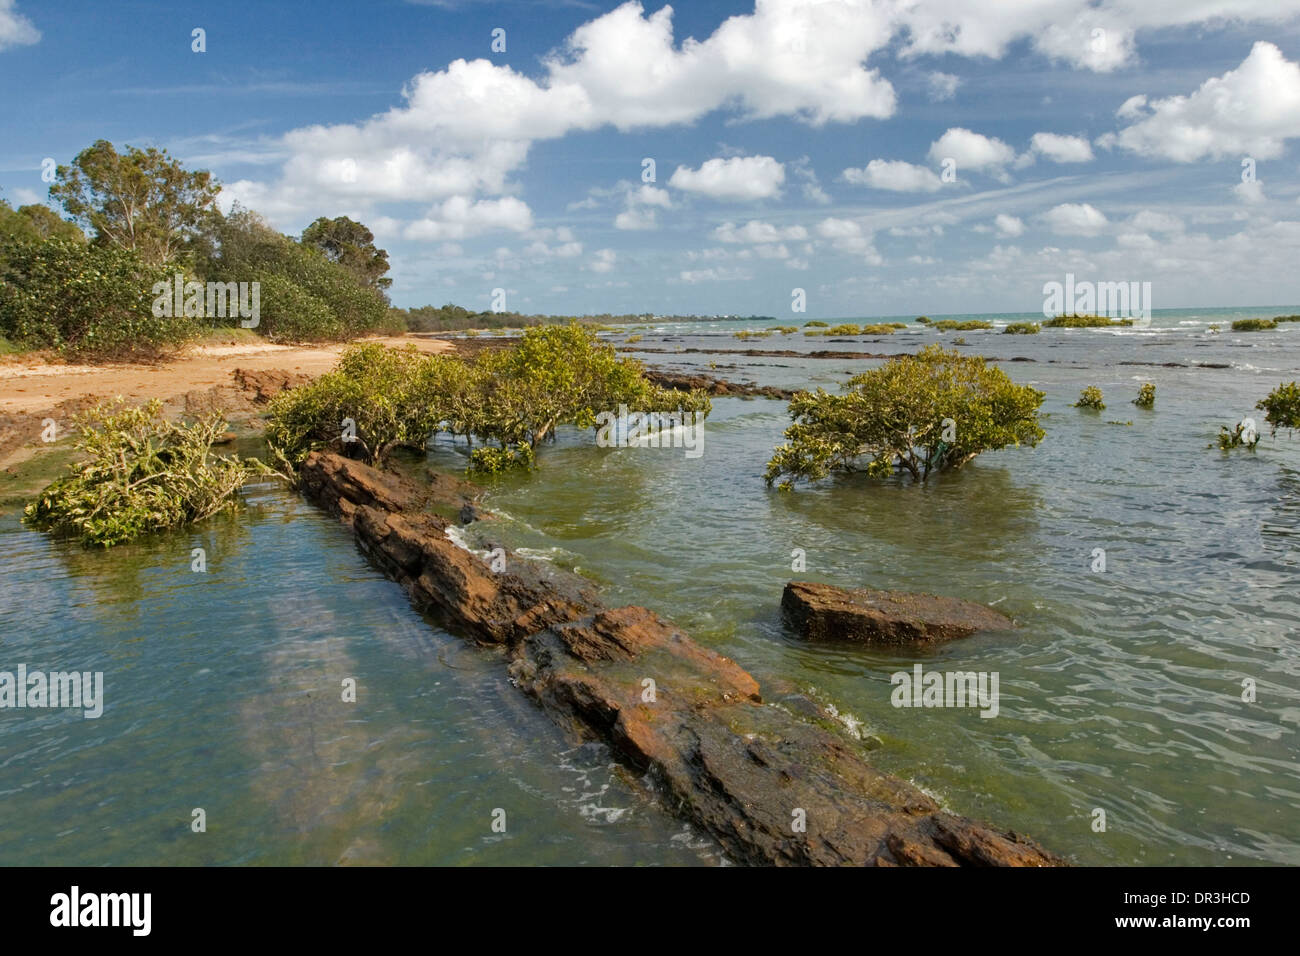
{"points": [[715, 386], [823, 612], [770, 787], [262, 385]]}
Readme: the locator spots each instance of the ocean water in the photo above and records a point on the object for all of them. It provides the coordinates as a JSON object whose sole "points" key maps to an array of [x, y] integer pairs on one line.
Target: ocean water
{"points": [[1121, 690]]}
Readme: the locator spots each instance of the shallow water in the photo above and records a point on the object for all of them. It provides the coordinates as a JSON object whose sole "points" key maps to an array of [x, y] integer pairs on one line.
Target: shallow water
{"points": [[1119, 690]]}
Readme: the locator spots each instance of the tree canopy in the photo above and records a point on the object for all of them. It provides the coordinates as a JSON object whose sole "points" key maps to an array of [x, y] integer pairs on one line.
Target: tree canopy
{"points": [[351, 245], [141, 200]]}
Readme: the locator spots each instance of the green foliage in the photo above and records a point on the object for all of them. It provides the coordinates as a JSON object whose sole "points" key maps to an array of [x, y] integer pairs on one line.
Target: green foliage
{"points": [[1282, 407], [305, 297], [746, 334], [923, 319], [816, 324], [351, 245], [493, 461], [1237, 437], [845, 329], [919, 413], [1146, 396], [142, 200], [954, 325], [1280, 318], [881, 328], [1253, 325], [393, 397], [514, 397], [1084, 322], [34, 223], [1021, 328], [1090, 397], [1213, 328], [85, 301], [784, 329], [140, 474]]}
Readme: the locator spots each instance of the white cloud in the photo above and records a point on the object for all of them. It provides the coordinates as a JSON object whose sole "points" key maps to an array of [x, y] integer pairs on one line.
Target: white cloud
{"points": [[1061, 149], [1250, 111], [894, 175], [971, 151], [756, 231], [648, 195], [603, 261], [1251, 193], [458, 218], [636, 219], [943, 86], [737, 179], [15, 29], [1075, 219], [1096, 35], [1008, 227], [848, 236]]}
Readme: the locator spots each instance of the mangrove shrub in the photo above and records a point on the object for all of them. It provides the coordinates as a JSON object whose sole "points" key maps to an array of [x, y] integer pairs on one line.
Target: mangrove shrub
{"points": [[140, 474], [918, 414]]}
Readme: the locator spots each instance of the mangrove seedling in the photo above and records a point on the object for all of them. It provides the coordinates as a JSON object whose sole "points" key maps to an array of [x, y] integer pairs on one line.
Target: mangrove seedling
{"points": [[1282, 407], [1146, 396], [1090, 397]]}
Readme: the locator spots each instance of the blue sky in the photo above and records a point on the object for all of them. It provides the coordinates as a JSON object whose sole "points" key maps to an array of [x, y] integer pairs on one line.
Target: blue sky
{"points": [[796, 144]]}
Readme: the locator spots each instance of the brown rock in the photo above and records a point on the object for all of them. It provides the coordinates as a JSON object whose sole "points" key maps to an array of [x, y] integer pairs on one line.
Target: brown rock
{"points": [[742, 771], [824, 612], [264, 384]]}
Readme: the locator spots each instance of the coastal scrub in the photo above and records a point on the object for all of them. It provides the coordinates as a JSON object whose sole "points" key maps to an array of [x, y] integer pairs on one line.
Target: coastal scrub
{"points": [[917, 414]]}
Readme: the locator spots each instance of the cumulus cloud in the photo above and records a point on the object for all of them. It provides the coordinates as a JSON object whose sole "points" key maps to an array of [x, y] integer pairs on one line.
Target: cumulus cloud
{"points": [[894, 175], [1099, 35], [971, 151], [848, 236], [737, 179], [603, 260], [1251, 193], [641, 203], [15, 29], [1008, 227], [465, 129], [1075, 219], [458, 218], [1061, 149], [1250, 111], [756, 231]]}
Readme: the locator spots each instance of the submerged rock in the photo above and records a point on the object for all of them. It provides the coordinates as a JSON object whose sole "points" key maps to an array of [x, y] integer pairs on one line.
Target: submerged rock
{"points": [[825, 612], [768, 786]]}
